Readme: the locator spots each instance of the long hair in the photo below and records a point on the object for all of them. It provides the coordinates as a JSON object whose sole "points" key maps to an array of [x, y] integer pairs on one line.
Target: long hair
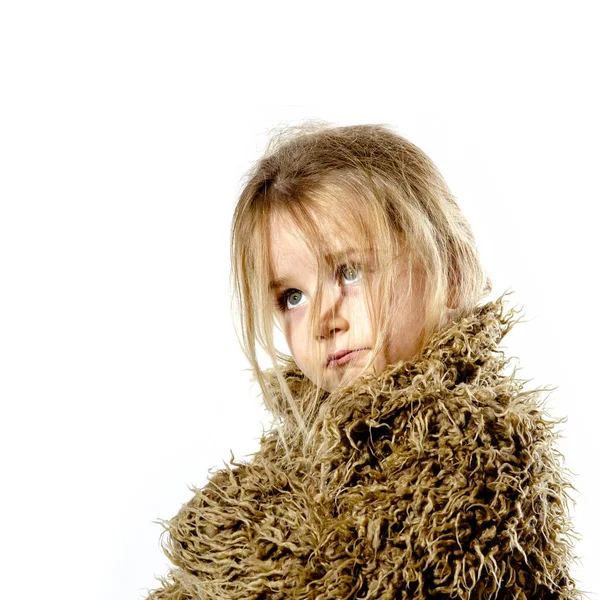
{"points": [[388, 200]]}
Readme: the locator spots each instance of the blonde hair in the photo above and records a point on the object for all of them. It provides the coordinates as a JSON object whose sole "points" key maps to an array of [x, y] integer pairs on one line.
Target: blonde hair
{"points": [[392, 199]]}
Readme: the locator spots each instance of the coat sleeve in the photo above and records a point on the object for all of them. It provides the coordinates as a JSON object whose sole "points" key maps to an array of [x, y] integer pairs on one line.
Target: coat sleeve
{"points": [[189, 540], [486, 501], [169, 590], [215, 542]]}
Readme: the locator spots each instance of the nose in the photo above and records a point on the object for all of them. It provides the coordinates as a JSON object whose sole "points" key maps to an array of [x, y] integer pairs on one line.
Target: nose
{"points": [[331, 320]]}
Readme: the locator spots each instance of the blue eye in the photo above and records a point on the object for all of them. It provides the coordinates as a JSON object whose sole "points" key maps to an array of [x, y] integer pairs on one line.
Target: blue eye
{"points": [[350, 273], [290, 299]]}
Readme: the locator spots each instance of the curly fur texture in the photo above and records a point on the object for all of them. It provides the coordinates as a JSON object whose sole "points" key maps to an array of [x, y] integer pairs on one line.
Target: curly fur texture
{"points": [[436, 478]]}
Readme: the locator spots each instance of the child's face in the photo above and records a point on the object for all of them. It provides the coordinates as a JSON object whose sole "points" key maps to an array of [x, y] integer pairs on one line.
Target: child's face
{"points": [[343, 322]]}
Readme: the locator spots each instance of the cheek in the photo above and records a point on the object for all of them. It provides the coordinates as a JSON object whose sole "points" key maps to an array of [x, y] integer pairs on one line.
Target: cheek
{"points": [[405, 334], [358, 315], [293, 327]]}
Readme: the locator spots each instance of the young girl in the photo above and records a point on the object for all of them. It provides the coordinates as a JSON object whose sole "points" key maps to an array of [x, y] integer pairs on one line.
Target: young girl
{"points": [[403, 463]]}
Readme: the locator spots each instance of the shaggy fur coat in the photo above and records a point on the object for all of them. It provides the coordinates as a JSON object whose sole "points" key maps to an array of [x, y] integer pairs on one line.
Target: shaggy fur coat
{"points": [[436, 478]]}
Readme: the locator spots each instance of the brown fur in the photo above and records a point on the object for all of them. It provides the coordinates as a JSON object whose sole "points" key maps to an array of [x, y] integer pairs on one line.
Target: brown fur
{"points": [[436, 478]]}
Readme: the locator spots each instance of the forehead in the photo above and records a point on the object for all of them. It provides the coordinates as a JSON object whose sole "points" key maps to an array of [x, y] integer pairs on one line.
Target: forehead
{"points": [[287, 242], [291, 256], [289, 252]]}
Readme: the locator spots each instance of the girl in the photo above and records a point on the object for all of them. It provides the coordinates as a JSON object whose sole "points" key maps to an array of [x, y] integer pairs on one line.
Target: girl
{"points": [[403, 462]]}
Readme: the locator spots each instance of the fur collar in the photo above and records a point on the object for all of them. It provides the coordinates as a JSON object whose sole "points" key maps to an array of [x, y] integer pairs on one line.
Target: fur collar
{"points": [[460, 353], [437, 477]]}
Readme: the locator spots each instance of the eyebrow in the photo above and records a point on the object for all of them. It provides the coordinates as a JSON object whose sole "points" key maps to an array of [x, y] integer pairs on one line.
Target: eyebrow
{"points": [[331, 258]]}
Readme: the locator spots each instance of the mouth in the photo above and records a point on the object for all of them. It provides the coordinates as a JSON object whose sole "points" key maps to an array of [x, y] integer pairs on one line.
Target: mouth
{"points": [[343, 356]]}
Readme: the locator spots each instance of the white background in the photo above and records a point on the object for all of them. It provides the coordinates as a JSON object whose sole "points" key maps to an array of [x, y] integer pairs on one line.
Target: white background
{"points": [[125, 131]]}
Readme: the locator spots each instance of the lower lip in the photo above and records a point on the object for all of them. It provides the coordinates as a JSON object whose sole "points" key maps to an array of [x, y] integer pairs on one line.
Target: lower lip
{"points": [[346, 358]]}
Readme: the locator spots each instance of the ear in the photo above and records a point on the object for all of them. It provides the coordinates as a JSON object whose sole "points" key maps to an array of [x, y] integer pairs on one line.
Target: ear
{"points": [[454, 283], [452, 302]]}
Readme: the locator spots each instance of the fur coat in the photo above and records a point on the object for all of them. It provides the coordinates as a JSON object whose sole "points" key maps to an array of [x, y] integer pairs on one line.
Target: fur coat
{"points": [[436, 478]]}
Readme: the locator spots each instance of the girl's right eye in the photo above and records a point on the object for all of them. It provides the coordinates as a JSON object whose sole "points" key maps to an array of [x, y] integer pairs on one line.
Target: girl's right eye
{"points": [[290, 299]]}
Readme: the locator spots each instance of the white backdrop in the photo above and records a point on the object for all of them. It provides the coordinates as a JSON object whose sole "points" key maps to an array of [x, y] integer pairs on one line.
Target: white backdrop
{"points": [[125, 131]]}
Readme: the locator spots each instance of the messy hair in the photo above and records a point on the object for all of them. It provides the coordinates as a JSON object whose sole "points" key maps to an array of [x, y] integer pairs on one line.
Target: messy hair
{"points": [[388, 199]]}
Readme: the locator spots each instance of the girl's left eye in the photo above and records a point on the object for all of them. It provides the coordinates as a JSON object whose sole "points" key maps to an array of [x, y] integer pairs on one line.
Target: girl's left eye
{"points": [[350, 273]]}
